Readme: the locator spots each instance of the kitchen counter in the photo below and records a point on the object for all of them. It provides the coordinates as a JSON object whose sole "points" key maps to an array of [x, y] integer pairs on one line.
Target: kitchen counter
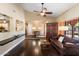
{"points": [[9, 46]]}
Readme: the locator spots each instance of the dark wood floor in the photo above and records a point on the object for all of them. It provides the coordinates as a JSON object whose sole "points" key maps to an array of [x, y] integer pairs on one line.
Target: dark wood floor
{"points": [[32, 47], [35, 47]]}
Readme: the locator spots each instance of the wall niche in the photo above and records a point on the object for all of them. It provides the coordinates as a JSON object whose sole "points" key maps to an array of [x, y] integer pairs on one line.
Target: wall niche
{"points": [[19, 25], [4, 23]]}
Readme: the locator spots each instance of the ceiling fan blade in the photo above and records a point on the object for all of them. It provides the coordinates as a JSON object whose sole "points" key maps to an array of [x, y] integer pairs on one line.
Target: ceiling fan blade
{"points": [[38, 14], [49, 12], [35, 11]]}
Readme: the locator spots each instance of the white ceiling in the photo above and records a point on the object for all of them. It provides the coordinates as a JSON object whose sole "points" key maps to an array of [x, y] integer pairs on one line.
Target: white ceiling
{"points": [[56, 8]]}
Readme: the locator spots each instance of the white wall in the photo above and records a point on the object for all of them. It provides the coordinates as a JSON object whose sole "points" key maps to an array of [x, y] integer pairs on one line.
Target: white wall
{"points": [[29, 29], [15, 12], [70, 14]]}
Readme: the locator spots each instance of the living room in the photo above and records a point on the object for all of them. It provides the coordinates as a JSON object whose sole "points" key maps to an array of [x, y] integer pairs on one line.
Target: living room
{"points": [[39, 29], [65, 25]]}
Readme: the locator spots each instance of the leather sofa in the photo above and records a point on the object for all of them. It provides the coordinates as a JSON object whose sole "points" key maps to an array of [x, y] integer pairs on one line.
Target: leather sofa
{"points": [[70, 46]]}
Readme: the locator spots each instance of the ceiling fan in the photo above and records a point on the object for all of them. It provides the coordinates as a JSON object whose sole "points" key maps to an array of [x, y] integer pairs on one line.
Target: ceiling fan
{"points": [[43, 11]]}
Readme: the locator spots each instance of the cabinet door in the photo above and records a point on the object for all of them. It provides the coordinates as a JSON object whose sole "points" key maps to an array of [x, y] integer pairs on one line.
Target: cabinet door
{"points": [[52, 27]]}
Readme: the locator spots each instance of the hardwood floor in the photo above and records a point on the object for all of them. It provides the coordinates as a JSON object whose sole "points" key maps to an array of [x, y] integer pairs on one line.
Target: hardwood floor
{"points": [[32, 47]]}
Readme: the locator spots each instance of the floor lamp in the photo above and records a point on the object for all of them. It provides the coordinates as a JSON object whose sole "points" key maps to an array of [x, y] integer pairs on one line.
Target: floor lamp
{"points": [[63, 28]]}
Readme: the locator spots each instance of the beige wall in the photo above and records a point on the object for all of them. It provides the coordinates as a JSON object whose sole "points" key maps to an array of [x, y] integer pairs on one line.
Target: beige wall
{"points": [[15, 12], [70, 14], [38, 21]]}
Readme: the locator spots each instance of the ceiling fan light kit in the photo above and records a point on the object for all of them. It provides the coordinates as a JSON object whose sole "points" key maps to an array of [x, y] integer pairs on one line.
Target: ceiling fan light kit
{"points": [[42, 13], [44, 9]]}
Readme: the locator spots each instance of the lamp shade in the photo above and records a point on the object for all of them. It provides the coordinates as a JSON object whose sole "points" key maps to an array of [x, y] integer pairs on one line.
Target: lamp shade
{"points": [[77, 25], [63, 28]]}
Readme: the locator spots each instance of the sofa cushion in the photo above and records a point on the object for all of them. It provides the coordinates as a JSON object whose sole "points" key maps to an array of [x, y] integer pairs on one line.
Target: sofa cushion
{"points": [[61, 38]]}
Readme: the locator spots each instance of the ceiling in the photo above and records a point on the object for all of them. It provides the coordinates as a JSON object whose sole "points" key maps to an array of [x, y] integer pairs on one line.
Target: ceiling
{"points": [[56, 8]]}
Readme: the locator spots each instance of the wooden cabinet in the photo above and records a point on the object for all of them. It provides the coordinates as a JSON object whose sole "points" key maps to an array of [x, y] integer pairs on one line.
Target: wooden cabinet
{"points": [[52, 31], [52, 27]]}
